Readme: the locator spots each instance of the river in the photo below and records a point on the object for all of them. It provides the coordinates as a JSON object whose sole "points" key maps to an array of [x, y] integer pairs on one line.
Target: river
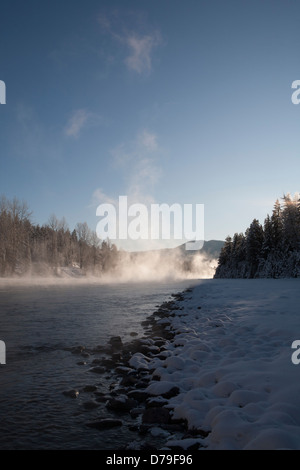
{"points": [[40, 324]]}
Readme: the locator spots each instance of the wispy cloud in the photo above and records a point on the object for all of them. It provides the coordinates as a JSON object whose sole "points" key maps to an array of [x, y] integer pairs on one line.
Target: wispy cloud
{"points": [[138, 160], [81, 118], [139, 45], [140, 52], [100, 197], [138, 163], [76, 123]]}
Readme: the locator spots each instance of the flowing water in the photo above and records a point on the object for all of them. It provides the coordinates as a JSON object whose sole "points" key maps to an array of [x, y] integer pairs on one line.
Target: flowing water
{"points": [[39, 324]]}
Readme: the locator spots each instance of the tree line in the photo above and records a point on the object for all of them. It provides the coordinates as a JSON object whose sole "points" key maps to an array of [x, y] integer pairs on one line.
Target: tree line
{"points": [[271, 250], [26, 248]]}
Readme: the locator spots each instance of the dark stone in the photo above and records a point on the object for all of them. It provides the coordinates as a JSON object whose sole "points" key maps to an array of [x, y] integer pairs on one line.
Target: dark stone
{"points": [[102, 398], [122, 370], [97, 370], [133, 428], [71, 393], [128, 380], [138, 395], [90, 405], [78, 349], [135, 412], [116, 357], [191, 448], [121, 403], [196, 433], [105, 423], [157, 415], [142, 384], [156, 377], [146, 447], [108, 363], [152, 403], [171, 393], [116, 342]]}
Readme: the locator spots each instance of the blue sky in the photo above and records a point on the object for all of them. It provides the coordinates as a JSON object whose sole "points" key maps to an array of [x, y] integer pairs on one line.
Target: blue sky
{"points": [[165, 101]]}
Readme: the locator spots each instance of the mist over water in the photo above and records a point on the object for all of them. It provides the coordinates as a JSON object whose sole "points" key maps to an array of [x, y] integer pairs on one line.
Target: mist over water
{"points": [[131, 268], [154, 265]]}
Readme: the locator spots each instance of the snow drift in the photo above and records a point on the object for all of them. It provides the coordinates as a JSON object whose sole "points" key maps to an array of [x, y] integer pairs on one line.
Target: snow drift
{"points": [[231, 360]]}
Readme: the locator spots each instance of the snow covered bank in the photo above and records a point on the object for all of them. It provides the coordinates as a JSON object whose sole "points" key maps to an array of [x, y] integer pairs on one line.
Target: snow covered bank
{"points": [[231, 360]]}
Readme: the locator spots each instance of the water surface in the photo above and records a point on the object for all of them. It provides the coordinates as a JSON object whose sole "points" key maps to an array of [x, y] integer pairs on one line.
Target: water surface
{"points": [[38, 324]]}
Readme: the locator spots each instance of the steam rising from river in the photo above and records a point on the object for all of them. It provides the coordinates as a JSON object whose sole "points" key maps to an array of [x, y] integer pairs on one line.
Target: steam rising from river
{"points": [[152, 266], [157, 266]]}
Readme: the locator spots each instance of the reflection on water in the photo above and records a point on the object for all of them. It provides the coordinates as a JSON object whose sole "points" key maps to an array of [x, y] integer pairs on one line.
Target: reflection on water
{"points": [[39, 324]]}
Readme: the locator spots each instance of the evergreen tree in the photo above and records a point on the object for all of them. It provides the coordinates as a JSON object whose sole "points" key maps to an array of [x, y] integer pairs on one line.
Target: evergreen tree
{"points": [[254, 243]]}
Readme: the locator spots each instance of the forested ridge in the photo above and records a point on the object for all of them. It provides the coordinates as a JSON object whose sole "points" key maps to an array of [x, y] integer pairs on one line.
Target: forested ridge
{"points": [[26, 248], [52, 249], [271, 250]]}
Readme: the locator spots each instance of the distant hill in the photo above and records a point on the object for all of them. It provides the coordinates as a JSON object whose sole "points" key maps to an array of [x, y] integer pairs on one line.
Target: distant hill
{"points": [[211, 249]]}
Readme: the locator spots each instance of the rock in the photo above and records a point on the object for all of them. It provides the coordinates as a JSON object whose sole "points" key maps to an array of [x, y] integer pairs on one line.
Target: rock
{"points": [[135, 412], [121, 403], [155, 402], [78, 349], [138, 395], [116, 342], [105, 423], [133, 333], [108, 363], [116, 357], [158, 432], [71, 393], [97, 370], [171, 393], [128, 380], [102, 398], [157, 415], [142, 383], [123, 370]]}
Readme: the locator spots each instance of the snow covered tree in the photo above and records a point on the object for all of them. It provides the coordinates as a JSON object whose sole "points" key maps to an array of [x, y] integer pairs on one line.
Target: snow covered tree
{"points": [[254, 243], [291, 222]]}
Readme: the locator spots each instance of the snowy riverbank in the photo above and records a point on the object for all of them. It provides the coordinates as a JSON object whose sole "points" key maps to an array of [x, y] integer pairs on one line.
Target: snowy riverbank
{"points": [[231, 361]]}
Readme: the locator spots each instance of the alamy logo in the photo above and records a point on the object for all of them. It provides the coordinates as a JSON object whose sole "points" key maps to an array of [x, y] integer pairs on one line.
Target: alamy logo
{"points": [[296, 95], [295, 356], [2, 353], [2, 92], [159, 222]]}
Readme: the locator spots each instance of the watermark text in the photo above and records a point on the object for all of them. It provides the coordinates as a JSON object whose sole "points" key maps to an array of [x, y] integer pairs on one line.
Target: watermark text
{"points": [[2, 352], [2, 92], [157, 222], [296, 94]]}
